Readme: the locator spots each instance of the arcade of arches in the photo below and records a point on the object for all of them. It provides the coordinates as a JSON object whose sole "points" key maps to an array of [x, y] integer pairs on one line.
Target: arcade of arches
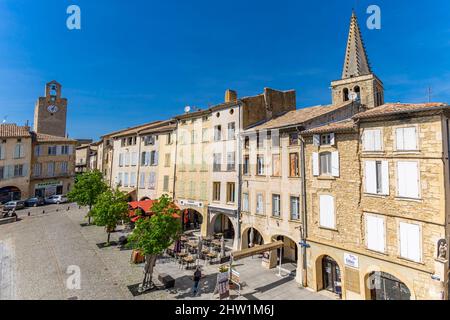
{"points": [[9, 194]]}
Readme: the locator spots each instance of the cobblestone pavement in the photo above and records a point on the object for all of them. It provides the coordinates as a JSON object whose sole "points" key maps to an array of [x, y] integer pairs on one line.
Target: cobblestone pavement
{"points": [[36, 254]]}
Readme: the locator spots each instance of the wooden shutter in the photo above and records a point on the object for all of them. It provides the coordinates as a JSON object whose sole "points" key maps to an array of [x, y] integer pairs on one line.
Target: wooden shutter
{"points": [[332, 139], [326, 205], [377, 144], [316, 140], [335, 164], [156, 160], [399, 138], [410, 138], [371, 177], [276, 165], [315, 164], [375, 233], [410, 241], [368, 140], [408, 179], [385, 177]]}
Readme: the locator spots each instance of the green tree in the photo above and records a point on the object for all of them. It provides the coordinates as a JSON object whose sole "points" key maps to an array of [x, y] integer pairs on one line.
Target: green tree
{"points": [[88, 187], [155, 234], [110, 208]]}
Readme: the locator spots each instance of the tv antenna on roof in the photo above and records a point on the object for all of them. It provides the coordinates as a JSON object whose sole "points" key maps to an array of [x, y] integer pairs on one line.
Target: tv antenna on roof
{"points": [[187, 109]]}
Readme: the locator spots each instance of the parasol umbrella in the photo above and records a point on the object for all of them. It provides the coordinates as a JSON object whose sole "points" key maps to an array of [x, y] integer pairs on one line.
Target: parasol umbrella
{"points": [[252, 237], [222, 247]]}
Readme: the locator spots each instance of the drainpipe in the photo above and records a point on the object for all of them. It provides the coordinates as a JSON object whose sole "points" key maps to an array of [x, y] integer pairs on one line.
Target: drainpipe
{"points": [[304, 229], [239, 149], [138, 174], [175, 163]]}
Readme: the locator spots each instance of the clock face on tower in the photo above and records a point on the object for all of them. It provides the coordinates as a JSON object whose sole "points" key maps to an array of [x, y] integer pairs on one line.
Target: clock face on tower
{"points": [[52, 109]]}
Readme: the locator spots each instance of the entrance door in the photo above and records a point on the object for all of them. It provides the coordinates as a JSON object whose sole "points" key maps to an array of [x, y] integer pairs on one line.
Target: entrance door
{"points": [[331, 275], [388, 287], [59, 190]]}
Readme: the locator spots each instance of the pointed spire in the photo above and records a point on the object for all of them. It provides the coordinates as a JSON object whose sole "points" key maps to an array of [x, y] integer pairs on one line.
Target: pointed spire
{"points": [[356, 62]]}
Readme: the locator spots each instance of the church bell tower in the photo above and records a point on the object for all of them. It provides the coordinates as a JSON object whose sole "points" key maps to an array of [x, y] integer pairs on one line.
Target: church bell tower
{"points": [[358, 82], [50, 113]]}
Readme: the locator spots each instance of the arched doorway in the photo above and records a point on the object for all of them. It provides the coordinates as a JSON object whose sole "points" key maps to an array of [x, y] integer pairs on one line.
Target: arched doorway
{"points": [[251, 237], [288, 254], [222, 224], [192, 220], [329, 275], [9, 194], [384, 286]]}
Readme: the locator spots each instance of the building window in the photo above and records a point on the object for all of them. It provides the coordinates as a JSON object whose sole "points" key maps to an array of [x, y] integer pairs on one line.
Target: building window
{"points": [[133, 179], [372, 140], [246, 166], [205, 135], [134, 159], [203, 191], [65, 150], [50, 169], [166, 184], [125, 180], [64, 167], [37, 151], [121, 160], [410, 242], [37, 169], [120, 179], [345, 95], [216, 191], [259, 203], [19, 170], [377, 177], [375, 231], [325, 163], [275, 134], [217, 133], [327, 213], [324, 139], [260, 165], [142, 180], [408, 179], [167, 160], [231, 161], [293, 139], [276, 205], [245, 203], [127, 159], [231, 131], [149, 140], [295, 208], [259, 141], [276, 170], [169, 138], [231, 190], [2, 173], [52, 150], [294, 170], [246, 142], [152, 181], [154, 158], [406, 139], [217, 162]]}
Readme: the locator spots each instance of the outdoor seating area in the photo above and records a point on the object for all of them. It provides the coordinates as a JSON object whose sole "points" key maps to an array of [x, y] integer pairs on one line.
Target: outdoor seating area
{"points": [[191, 250]]}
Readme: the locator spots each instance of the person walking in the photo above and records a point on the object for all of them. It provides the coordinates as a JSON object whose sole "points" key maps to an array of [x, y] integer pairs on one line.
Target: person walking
{"points": [[197, 277]]}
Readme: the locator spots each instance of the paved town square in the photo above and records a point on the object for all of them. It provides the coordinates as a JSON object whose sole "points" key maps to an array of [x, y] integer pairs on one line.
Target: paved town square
{"points": [[37, 252]]}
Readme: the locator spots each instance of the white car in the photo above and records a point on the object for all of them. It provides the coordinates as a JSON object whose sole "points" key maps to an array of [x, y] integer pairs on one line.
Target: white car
{"points": [[57, 199]]}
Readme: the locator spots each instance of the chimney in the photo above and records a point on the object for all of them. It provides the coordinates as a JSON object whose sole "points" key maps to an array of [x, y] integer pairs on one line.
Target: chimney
{"points": [[230, 96]]}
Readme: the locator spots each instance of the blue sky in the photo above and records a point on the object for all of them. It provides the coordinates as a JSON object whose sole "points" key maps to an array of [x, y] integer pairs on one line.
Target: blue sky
{"points": [[142, 60]]}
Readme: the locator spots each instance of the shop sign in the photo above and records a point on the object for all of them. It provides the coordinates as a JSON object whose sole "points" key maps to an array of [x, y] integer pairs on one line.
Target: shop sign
{"points": [[48, 184], [351, 260], [191, 203]]}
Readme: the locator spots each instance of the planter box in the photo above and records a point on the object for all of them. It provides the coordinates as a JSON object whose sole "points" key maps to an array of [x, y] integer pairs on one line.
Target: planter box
{"points": [[167, 281], [137, 257], [8, 220]]}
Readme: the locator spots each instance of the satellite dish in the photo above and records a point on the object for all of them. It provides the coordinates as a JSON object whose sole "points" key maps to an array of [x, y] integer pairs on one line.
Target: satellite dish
{"points": [[353, 96], [187, 109]]}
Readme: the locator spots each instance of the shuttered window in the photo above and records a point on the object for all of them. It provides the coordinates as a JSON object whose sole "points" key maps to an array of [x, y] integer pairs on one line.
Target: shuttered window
{"points": [[276, 172], [327, 213], [166, 184], [295, 208], [260, 165], [326, 163], [245, 202], [133, 179], [276, 205], [375, 232], [408, 179], [142, 180], [2, 152], [406, 139], [372, 140], [152, 181], [125, 180], [410, 241], [216, 191], [259, 203], [293, 165], [377, 177]]}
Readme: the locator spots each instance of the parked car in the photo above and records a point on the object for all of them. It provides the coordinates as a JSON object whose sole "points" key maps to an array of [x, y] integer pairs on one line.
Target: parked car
{"points": [[14, 205], [35, 202], [57, 199]]}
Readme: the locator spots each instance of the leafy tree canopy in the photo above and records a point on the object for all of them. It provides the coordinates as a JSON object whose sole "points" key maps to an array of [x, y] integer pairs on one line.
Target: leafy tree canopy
{"points": [[87, 188], [110, 208]]}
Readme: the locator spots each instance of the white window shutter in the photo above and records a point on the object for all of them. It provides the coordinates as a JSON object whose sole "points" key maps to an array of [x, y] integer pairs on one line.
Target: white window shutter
{"points": [[332, 139], [156, 158], [315, 164], [371, 177], [385, 177], [410, 138], [375, 233], [399, 138], [335, 163], [377, 144], [408, 179], [368, 140], [326, 207], [410, 241], [316, 140]]}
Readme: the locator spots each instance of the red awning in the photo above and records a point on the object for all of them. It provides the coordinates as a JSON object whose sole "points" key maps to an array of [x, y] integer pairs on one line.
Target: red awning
{"points": [[146, 207]]}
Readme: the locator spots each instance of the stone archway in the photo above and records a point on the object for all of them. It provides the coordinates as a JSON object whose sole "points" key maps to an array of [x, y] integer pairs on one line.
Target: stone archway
{"points": [[247, 236], [289, 254], [10, 193], [191, 220], [328, 274], [381, 285]]}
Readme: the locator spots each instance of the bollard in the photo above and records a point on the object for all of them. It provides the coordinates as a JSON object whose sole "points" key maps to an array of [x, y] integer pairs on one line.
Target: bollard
{"points": [[68, 208], [43, 211], [29, 213]]}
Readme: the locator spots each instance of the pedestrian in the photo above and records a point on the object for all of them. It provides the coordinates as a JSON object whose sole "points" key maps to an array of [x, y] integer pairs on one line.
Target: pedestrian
{"points": [[197, 277]]}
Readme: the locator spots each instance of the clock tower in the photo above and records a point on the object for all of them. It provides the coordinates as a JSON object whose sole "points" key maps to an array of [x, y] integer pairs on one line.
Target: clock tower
{"points": [[50, 113]]}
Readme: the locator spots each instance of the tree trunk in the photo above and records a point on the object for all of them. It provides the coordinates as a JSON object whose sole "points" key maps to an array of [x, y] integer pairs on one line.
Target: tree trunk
{"points": [[109, 237], [150, 261], [89, 214]]}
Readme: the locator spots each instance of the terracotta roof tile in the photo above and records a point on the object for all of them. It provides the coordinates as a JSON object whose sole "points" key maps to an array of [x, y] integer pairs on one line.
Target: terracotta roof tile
{"points": [[341, 126], [11, 130], [299, 116], [131, 130], [40, 137], [398, 108]]}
